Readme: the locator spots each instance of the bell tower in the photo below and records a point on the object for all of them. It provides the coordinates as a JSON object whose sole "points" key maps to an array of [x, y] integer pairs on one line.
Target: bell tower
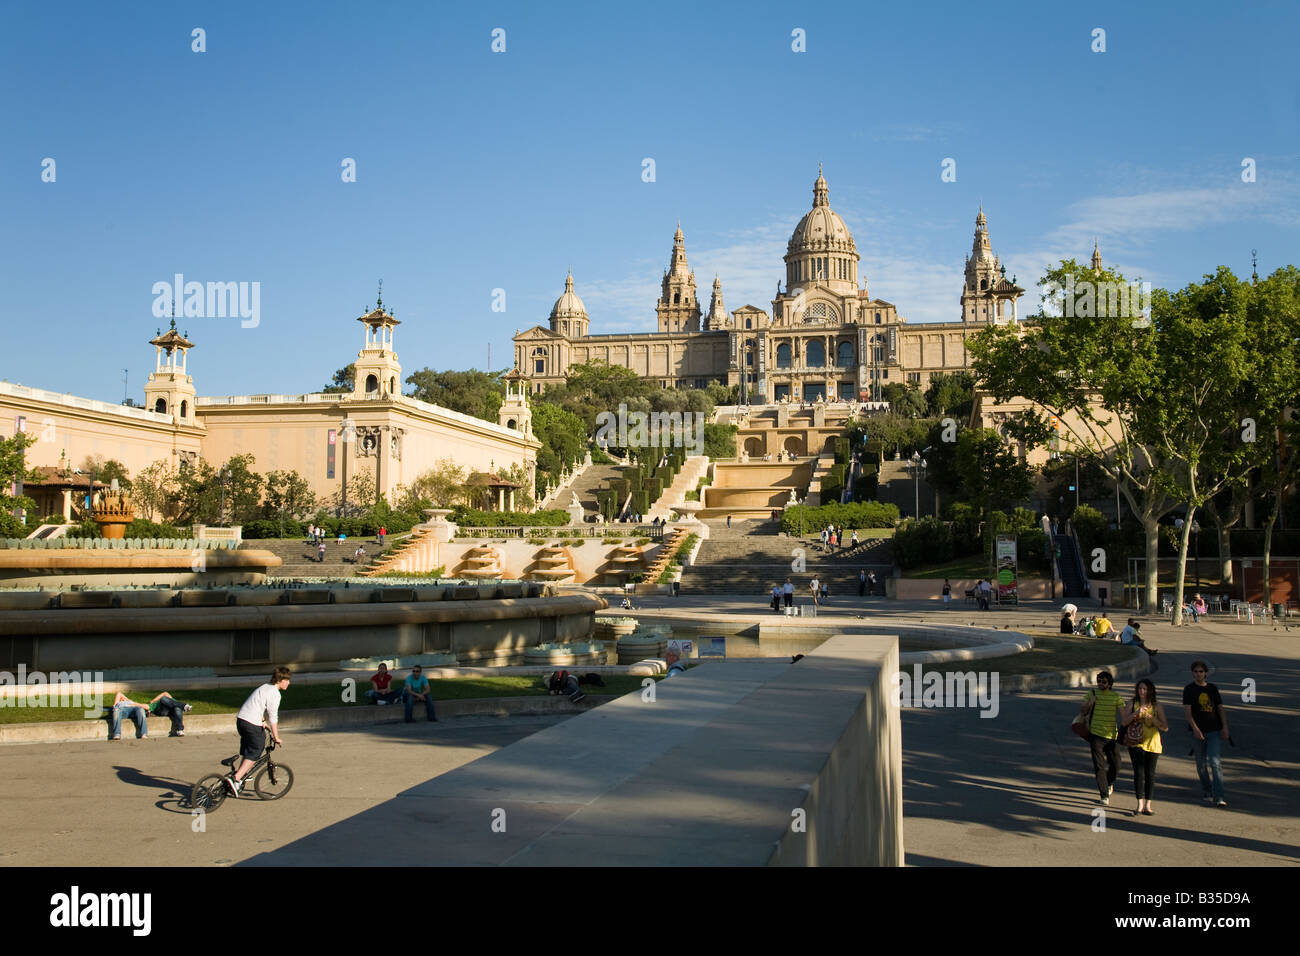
{"points": [[379, 375], [515, 411], [678, 308], [170, 389]]}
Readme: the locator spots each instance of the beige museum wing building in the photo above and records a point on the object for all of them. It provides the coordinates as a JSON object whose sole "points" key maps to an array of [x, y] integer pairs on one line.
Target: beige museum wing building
{"points": [[373, 428]]}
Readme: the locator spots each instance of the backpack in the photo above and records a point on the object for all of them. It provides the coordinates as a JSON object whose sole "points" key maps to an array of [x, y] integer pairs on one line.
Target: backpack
{"points": [[555, 683]]}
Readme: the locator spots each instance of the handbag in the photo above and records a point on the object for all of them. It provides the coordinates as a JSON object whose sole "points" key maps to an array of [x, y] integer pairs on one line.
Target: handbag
{"points": [[1134, 734], [1082, 725]]}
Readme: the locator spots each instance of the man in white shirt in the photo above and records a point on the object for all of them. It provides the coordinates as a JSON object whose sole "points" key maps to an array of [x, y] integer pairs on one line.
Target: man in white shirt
{"points": [[262, 703]]}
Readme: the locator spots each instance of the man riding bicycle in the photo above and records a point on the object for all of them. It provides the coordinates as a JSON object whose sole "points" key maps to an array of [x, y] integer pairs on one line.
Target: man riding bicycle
{"points": [[263, 702]]}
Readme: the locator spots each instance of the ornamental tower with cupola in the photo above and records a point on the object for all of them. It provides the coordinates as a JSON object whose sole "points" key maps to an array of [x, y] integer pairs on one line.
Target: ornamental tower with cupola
{"points": [[678, 309], [378, 373], [515, 411], [987, 295], [170, 388], [569, 315]]}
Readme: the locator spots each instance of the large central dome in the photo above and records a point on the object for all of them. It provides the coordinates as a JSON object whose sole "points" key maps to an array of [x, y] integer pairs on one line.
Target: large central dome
{"points": [[821, 251], [821, 229]]}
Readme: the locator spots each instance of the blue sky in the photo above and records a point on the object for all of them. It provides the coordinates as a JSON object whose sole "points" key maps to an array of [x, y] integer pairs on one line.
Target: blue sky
{"points": [[479, 170]]}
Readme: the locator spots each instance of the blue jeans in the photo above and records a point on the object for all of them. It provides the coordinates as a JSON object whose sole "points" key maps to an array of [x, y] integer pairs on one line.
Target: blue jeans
{"points": [[172, 708], [135, 712], [1207, 751], [388, 696], [410, 703]]}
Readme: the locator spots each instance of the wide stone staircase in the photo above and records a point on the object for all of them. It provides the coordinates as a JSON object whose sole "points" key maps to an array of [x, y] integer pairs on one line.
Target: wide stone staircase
{"points": [[898, 487], [594, 479], [299, 557], [752, 555]]}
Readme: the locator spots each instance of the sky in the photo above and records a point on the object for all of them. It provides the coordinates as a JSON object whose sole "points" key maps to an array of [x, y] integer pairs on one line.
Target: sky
{"points": [[479, 170]]}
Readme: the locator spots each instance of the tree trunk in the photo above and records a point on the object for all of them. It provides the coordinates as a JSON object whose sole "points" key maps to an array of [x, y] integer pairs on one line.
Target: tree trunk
{"points": [[1151, 572], [1268, 554], [1180, 573]]}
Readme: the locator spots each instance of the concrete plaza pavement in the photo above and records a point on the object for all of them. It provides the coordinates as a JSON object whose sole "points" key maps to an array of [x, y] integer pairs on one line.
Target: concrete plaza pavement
{"points": [[1016, 789]]}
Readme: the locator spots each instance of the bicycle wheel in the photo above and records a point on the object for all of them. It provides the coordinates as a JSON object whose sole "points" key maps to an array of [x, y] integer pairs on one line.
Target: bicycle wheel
{"points": [[209, 793], [273, 781]]}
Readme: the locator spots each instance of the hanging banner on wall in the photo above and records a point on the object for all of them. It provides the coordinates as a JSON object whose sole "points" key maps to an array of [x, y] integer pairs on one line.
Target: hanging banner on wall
{"points": [[1006, 564]]}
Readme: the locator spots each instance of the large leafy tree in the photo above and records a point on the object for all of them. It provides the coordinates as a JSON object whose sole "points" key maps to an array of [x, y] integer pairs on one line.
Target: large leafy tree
{"points": [[106, 470], [288, 493], [1096, 374], [13, 470], [343, 381], [154, 490], [951, 395], [470, 392]]}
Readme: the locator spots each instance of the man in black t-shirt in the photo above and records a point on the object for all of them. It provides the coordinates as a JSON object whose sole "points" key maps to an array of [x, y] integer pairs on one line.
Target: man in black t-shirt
{"points": [[1208, 722]]}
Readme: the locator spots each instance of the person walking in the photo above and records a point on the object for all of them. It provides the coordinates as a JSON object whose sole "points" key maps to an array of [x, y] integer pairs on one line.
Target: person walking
{"points": [[947, 594], [776, 598], [1143, 720], [1208, 721], [788, 592], [862, 582], [1102, 707], [816, 591], [728, 521], [871, 583], [853, 540], [320, 552]]}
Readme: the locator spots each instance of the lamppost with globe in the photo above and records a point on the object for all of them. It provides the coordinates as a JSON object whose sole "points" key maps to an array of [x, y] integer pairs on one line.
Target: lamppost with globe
{"points": [[917, 466]]}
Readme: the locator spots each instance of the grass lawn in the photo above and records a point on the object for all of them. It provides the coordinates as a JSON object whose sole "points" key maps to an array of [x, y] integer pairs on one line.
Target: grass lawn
{"points": [[1058, 654], [227, 700], [968, 566]]}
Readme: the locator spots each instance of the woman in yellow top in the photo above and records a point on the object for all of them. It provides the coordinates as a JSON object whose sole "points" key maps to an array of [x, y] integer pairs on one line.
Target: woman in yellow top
{"points": [[1143, 720]]}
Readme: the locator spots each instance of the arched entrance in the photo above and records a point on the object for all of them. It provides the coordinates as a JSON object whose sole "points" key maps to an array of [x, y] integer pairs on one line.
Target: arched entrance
{"points": [[754, 447], [793, 446]]}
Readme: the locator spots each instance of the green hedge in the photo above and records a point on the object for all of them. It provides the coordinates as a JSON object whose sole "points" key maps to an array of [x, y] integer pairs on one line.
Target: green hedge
{"points": [[640, 502], [857, 514], [927, 541], [473, 518], [867, 484]]}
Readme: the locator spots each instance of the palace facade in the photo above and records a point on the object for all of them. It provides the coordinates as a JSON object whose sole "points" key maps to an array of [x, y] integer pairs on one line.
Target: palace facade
{"points": [[825, 337]]}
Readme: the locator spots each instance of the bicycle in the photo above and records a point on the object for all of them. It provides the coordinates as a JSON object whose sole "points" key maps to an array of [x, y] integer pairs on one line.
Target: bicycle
{"points": [[271, 781]]}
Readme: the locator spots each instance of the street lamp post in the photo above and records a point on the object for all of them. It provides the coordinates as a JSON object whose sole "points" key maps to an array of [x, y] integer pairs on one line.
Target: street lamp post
{"points": [[917, 465], [225, 473]]}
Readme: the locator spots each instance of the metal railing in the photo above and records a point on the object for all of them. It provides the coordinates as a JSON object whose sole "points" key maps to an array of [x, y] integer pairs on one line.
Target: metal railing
{"points": [[611, 530]]}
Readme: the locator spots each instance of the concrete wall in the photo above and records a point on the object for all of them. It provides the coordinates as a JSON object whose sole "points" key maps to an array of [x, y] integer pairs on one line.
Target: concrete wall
{"points": [[710, 772], [305, 636]]}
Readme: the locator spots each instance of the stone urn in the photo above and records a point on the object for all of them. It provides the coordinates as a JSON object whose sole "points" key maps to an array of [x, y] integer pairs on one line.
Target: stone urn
{"points": [[643, 645], [612, 628], [113, 512]]}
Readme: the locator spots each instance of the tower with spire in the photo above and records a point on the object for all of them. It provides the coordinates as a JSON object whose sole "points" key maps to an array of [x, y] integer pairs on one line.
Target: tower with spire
{"points": [[987, 294], [569, 316], [717, 318], [1096, 256], [678, 309]]}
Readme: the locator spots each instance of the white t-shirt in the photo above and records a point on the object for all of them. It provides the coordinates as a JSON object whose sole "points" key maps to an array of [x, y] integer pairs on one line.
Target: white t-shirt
{"points": [[264, 700]]}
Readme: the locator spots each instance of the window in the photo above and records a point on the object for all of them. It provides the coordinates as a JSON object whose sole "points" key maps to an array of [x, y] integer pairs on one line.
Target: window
{"points": [[885, 374], [250, 647], [783, 355], [677, 298], [877, 318], [372, 384], [749, 323], [914, 377], [844, 355], [184, 408], [160, 406], [816, 355], [539, 367], [984, 284]]}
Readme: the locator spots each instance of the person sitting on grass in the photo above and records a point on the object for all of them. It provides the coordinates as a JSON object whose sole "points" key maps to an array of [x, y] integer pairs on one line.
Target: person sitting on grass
{"points": [[165, 705], [1130, 636], [1103, 628], [379, 691]]}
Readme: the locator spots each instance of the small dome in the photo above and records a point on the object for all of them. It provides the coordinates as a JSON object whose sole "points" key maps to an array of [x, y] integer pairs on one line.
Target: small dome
{"points": [[568, 306]]}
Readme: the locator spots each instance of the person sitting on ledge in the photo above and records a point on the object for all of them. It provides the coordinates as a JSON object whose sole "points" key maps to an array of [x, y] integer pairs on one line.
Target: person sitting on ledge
{"points": [[1130, 636], [417, 689], [674, 662], [379, 691]]}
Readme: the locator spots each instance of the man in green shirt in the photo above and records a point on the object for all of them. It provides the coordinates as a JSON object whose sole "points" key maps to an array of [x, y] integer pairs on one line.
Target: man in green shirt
{"points": [[1102, 707]]}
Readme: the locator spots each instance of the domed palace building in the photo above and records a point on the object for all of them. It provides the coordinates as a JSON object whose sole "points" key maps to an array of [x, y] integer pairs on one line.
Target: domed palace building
{"points": [[825, 338]]}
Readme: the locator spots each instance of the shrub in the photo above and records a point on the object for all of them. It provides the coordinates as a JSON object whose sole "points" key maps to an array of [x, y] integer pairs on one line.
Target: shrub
{"points": [[857, 514], [473, 518], [922, 542]]}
